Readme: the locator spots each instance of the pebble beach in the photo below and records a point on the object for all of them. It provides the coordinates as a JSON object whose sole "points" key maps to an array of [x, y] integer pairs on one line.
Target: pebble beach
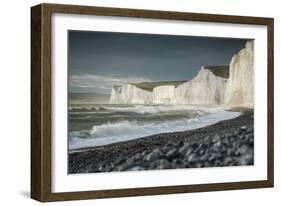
{"points": [[226, 143]]}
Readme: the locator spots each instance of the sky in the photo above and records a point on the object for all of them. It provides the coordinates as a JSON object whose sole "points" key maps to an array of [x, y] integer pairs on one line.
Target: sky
{"points": [[99, 60]]}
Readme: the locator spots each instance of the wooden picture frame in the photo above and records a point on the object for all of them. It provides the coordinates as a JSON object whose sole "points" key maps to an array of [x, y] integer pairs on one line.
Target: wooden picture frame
{"points": [[41, 172]]}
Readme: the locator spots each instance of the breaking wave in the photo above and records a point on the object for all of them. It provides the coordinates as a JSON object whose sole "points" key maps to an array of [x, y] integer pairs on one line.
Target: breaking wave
{"points": [[125, 130], [145, 109]]}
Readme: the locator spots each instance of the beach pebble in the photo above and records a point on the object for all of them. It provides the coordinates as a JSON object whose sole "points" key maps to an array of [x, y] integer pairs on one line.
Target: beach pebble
{"points": [[186, 147], [216, 138], [250, 130], [192, 158], [153, 155], [195, 145], [244, 149], [163, 164], [243, 128], [246, 159], [135, 168], [172, 153], [201, 152], [213, 157], [228, 161]]}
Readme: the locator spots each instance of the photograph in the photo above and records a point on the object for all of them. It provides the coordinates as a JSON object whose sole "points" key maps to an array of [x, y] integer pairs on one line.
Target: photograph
{"points": [[134, 102], [150, 102]]}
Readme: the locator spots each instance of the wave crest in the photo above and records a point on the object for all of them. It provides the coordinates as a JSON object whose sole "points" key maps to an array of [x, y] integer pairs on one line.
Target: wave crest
{"points": [[113, 132]]}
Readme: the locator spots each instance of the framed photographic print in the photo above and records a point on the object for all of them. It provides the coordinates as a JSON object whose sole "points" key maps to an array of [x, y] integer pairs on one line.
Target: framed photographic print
{"points": [[132, 102]]}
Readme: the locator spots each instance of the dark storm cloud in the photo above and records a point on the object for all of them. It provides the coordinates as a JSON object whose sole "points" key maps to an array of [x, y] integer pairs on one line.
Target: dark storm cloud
{"points": [[98, 60]]}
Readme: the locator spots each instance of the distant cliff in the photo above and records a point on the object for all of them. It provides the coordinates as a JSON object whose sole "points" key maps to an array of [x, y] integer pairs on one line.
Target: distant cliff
{"points": [[130, 94], [205, 88], [232, 84], [145, 93]]}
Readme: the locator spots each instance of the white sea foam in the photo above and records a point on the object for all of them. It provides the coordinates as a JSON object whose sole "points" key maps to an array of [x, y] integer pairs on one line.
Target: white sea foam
{"points": [[154, 109], [85, 107], [128, 130]]}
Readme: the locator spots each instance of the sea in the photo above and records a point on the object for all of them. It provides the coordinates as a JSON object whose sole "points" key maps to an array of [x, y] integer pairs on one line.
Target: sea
{"points": [[92, 121]]}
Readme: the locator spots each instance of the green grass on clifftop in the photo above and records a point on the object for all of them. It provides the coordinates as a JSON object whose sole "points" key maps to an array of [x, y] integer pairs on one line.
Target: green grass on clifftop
{"points": [[150, 85]]}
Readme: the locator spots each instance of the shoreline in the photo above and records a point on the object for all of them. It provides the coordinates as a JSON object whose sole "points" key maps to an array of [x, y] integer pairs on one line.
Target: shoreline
{"points": [[226, 143]]}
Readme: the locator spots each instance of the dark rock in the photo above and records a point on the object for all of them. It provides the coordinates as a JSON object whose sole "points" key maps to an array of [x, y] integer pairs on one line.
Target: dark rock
{"points": [[228, 161], [246, 159], [204, 157], [195, 145], [198, 165], [163, 164], [183, 150], [251, 142], [192, 158], [176, 162], [181, 143], [144, 153], [216, 147], [201, 152], [243, 128], [218, 144], [172, 144], [230, 139], [137, 156], [236, 144], [243, 150], [214, 157], [129, 161], [172, 154], [216, 138], [135, 168], [206, 139], [188, 152], [153, 155], [250, 130]]}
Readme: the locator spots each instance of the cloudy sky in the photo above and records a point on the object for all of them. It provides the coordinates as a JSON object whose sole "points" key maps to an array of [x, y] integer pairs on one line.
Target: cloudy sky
{"points": [[99, 60]]}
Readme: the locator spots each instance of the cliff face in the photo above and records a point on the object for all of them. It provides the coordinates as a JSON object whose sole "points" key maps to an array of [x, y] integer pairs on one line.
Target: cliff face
{"points": [[240, 85], [204, 88], [212, 85], [130, 94], [164, 94]]}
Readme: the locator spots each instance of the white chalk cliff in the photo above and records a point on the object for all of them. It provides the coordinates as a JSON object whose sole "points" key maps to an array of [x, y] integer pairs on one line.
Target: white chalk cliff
{"points": [[130, 94], [240, 85], [164, 94], [204, 88], [211, 86]]}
